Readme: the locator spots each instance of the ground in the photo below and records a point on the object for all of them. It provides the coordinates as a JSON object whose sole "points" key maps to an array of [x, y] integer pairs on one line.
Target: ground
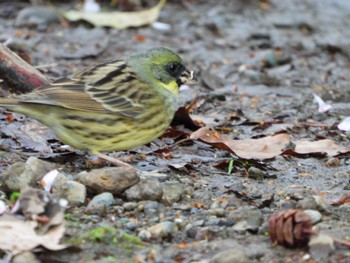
{"points": [[258, 64]]}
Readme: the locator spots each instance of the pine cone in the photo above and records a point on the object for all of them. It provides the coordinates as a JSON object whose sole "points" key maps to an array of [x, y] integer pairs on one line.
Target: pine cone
{"points": [[290, 228]]}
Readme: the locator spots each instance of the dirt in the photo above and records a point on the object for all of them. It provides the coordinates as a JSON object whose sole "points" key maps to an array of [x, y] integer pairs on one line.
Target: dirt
{"points": [[258, 64]]}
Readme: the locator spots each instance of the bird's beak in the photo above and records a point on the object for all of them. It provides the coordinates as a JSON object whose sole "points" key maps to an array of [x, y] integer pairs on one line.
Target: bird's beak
{"points": [[187, 78]]}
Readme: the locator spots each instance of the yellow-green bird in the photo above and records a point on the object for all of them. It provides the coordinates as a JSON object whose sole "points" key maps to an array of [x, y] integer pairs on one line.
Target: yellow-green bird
{"points": [[113, 106]]}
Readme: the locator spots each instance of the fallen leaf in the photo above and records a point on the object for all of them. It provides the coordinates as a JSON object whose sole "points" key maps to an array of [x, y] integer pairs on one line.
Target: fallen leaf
{"points": [[19, 235], [325, 146], [119, 20], [260, 149]]}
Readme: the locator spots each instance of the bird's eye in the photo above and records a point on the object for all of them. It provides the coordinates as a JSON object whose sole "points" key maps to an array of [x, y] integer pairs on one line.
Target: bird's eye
{"points": [[173, 67]]}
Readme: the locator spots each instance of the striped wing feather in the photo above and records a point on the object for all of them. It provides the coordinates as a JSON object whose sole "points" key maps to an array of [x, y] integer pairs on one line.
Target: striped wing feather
{"points": [[109, 88]]}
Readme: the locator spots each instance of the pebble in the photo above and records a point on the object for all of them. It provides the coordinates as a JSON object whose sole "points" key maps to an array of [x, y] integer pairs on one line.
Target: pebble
{"points": [[219, 212], [218, 204], [151, 208], [37, 15], [132, 226], [198, 223], [256, 173], [246, 218], [182, 207], [172, 192], [146, 189], [129, 206], [314, 215], [144, 235], [25, 257], [73, 192], [232, 255], [100, 202], [163, 229], [20, 175], [111, 179], [308, 203]]}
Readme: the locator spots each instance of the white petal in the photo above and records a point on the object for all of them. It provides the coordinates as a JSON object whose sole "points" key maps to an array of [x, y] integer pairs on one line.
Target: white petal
{"points": [[345, 124], [322, 106]]}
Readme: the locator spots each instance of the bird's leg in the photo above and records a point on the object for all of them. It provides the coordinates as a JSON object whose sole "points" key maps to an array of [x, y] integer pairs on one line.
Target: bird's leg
{"points": [[113, 160]]}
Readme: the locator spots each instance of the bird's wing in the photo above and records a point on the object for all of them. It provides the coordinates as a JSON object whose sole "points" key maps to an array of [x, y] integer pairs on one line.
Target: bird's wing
{"points": [[111, 88]]}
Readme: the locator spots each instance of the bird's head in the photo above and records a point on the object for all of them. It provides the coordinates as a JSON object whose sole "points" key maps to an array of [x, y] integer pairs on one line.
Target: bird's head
{"points": [[162, 68]]}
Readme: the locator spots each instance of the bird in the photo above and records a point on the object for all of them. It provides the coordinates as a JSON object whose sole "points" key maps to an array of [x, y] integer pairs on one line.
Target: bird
{"points": [[112, 106]]}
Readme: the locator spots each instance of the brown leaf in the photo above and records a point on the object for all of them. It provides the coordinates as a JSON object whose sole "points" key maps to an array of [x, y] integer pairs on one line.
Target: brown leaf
{"points": [[19, 235], [182, 117], [261, 149], [326, 146]]}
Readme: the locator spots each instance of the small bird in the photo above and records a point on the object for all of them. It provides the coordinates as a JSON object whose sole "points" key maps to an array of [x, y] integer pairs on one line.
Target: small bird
{"points": [[112, 106]]}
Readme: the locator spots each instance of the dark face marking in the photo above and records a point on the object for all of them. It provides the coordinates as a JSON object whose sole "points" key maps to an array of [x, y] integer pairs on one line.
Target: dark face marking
{"points": [[174, 69]]}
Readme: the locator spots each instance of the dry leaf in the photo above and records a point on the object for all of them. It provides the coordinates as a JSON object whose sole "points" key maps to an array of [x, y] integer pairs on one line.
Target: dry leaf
{"points": [[260, 149], [326, 146], [119, 20], [19, 235]]}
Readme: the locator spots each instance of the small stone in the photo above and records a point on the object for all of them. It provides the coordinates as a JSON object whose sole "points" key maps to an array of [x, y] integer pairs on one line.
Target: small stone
{"points": [[20, 175], [25, 257], [233, 255], [314, 215], [308, 203], [255, 173], [198, 223], [250, 217], [151, 208], [182, 207], [219, 212], [144, 235], [74, 192], [146, 189], [129, 206], [172, 192], [100, 202], [111, 179], [218, 204], [132, 226], [163, 229]]}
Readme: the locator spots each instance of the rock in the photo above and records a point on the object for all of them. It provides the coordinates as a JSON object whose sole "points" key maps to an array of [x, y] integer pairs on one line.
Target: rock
{"points": [[233, 255], [74, 192], [307, 203], [132, 226], [321, 247], [144, 235], [219, 212], [20, 175], [129, 206], [37, 15], [163, 229], [111, 179], [246, 218], [25, 257], [146, 189], [314, 215], [172, 192], [151, 208], [100, 202]]}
